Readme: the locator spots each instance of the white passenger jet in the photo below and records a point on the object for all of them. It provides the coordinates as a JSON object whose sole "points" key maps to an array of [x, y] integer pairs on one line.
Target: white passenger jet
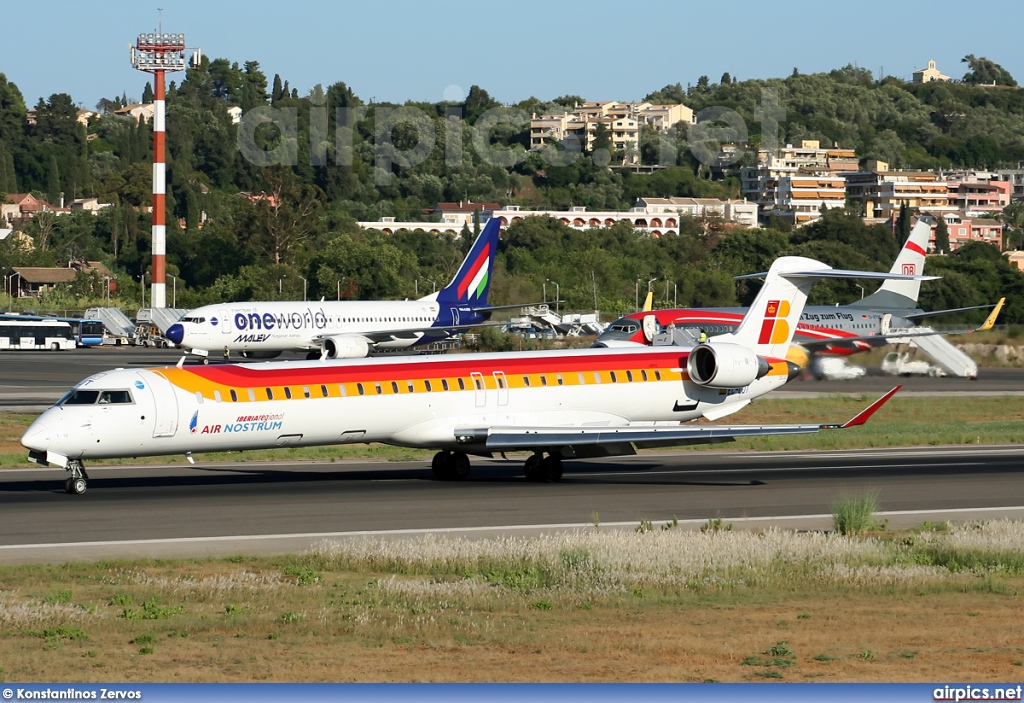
{"points": [[571, 403], [346, 328]]}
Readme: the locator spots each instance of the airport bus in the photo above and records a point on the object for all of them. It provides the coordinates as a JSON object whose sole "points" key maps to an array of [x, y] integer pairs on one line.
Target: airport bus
{"points": [[87, 332], [36, 334]]}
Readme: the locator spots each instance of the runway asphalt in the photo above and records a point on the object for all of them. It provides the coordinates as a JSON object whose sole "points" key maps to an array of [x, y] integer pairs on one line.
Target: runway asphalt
{"points": [[277, 508]]}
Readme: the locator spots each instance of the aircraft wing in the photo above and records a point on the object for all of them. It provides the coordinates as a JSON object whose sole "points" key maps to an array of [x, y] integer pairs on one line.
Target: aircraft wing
{"points": [[988, 322], [904, 333], [492, 308], [602, 441], [409, 333]]}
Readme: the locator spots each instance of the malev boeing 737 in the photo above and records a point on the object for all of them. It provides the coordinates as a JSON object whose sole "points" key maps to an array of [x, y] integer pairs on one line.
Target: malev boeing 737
{"points": [[567, 403], [346, 328]]}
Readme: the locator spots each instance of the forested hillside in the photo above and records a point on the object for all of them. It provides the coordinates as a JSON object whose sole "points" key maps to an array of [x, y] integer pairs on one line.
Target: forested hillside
{"points": [[229, 247]]}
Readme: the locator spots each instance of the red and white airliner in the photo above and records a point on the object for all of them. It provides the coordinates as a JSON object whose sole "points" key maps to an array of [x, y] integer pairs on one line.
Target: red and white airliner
{"points": [[575, 403]]}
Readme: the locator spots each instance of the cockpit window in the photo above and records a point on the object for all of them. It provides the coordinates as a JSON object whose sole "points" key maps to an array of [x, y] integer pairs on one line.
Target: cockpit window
{"points": [[115, 398], [81, 398], [196, 320]]}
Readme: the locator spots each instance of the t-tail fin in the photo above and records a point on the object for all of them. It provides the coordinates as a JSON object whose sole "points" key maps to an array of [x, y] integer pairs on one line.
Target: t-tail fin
{"points": [[770, 322], [902, 295], [472, 282]]}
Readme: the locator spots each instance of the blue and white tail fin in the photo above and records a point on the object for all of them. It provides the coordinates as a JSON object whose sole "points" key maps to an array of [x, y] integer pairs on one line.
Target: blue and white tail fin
{"points": [[902, 295], [771, 321], [472, 282]]}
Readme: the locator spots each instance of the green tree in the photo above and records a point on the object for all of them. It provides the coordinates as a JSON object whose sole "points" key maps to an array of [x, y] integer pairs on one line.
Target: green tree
{"points": [[903, 224], [602, 138], [147, 93], [985, 71], [942, 236]]}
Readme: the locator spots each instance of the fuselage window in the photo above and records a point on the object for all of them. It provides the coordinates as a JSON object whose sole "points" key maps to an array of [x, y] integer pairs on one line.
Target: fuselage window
{"points": [[560, 379], [199, 397], [629, 376], [597, 377], [462, 385], [426, 384], [444, 383], [270, 394], [305, 391], [614, 378], [582, 381], [526, 381], [287, 392], [216, 396], [359, 387], [234, 396], [543, 380], [394, 387], [657, 374], [412, 386], [479, 382], [643, 374], [252, 394], [341, 390], [115, 398], [82, 398], [323, 391], [379, 389], [501, 381]]}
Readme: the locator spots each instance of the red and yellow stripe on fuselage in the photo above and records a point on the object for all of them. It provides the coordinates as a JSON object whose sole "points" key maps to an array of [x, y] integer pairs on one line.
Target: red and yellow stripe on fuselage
{"points": [[342, 379]]}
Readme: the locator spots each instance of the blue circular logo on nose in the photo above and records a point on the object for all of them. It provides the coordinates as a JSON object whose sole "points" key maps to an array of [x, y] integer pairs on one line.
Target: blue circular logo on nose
{"points": [[140, 385], [213, 321]]}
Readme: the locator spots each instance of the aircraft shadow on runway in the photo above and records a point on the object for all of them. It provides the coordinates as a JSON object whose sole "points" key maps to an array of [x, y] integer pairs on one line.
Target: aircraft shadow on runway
{"points": [[576, 473]]}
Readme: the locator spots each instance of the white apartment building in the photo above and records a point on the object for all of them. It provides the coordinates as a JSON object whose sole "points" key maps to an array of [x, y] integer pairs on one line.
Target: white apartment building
{"points": [[653, 216], [796, 182], [880, 192], [622, 120]]}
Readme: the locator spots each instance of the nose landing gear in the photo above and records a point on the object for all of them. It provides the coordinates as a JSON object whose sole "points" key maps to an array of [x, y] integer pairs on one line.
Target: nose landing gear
{"points": [[76, 485]]}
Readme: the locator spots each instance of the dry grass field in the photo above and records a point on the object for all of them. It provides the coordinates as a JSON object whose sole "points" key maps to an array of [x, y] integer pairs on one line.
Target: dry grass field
{"points": [[660, 605]]}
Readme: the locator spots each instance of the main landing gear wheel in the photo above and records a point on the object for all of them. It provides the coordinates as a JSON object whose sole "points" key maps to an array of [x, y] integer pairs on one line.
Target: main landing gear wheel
{"points": [[540, 469], [450, 466], [76, 485]]}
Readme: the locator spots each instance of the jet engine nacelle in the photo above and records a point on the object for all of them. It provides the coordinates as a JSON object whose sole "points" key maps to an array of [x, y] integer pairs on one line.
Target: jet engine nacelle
{"points": [[251, 354], [724, 365], [343, 347]]}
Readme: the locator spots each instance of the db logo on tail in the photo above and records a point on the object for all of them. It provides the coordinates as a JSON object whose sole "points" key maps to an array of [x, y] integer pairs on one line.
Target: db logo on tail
{"points": [[909, 269], [775, 328]]}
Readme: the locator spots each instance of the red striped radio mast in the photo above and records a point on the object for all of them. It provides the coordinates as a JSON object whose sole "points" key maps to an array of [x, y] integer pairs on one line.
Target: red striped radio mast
{"points": [[159, 53]]}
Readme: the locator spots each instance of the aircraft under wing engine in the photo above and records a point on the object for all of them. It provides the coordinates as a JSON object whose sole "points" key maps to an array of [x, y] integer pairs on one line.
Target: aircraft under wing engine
{"points": [[620, 440]]}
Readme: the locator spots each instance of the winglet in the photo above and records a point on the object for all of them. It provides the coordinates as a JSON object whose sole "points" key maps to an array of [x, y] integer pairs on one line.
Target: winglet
{"points": [[863, 416], [648, 302], [991, 319]]}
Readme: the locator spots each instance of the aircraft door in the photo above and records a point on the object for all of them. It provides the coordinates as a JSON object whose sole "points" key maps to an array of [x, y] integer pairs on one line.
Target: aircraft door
{"points": [[165, 402], [502, 385], [479, 388], [886, 323], [650, 327], [225, 320], [455, 317]]}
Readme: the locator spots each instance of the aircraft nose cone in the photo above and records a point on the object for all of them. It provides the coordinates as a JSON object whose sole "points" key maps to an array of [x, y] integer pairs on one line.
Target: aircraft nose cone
{"points": [[36, 437], [176, 333]]}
